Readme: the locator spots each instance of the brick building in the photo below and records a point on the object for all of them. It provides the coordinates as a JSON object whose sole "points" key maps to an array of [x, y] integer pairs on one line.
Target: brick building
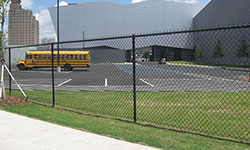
{"points": [[23, 26]]}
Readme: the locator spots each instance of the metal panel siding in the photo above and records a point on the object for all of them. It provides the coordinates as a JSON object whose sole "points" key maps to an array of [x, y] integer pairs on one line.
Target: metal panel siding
{"points": [[223, 13], [102, 19], [108, 56]]}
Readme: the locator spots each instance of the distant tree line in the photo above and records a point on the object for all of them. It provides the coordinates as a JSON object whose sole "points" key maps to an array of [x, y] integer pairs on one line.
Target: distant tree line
{"points": [[242, 51]]}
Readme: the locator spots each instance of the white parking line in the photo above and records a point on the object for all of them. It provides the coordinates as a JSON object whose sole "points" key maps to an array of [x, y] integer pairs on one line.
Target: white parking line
{"points": [[64, 83], [147, 82], [176, 79], [64, 72]]}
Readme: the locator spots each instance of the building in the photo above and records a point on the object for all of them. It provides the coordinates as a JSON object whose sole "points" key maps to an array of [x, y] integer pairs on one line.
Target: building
{"points": [[23, 26], [46, 40], [221, 13], [106, 19]]}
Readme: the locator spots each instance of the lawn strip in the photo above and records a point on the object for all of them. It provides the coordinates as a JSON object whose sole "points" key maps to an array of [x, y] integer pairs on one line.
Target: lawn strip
{"points": [[125, 131]]}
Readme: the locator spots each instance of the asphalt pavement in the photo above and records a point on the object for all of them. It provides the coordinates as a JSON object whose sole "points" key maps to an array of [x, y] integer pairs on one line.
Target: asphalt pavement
{"points": [[149, 77]]}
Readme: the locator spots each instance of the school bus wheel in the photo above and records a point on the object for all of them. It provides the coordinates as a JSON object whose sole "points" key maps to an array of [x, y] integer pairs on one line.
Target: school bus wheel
{"points": [[21, 67], [67, 67]]}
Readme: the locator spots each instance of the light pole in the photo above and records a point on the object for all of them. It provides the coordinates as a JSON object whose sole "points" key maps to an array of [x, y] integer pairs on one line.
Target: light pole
{"points": [[58, 56], [83, 40]]}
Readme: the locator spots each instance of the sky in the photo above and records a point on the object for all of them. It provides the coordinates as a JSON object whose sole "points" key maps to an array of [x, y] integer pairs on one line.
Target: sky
{"points": [[40, 10]]}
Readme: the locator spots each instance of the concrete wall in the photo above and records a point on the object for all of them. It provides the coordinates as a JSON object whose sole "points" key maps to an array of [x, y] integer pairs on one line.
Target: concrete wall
{"points": [[107, 55], [103, 54]]}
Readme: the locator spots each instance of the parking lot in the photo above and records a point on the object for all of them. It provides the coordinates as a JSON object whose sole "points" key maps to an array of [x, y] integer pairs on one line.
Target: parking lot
{"points": [[149, 77]]}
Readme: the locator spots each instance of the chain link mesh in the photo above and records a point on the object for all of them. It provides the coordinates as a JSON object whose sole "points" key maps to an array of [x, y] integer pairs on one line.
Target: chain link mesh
{"points": [[196, 81]]}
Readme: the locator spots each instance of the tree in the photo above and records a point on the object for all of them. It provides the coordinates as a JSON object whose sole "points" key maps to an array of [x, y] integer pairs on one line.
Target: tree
{"points": [[198, 54], [145, 55], [3, 14], [1, 45], [243, 49], [217, 52]]}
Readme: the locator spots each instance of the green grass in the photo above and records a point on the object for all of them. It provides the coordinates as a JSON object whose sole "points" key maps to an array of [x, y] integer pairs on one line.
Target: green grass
{"points": [[159, 138], [218, 114], [208, 64]]}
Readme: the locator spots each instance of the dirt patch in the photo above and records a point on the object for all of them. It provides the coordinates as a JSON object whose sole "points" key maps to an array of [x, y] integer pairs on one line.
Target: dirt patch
{"points": [[12, 101]]}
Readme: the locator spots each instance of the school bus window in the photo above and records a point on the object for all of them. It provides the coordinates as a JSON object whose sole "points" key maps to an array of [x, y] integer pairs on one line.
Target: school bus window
{"points": [[80, 57], [39, 56], [45, 57], [76, 57], [67, 57], [71, 57], [49, 56], [28, 56], [85, 57], [62, 57], [35, 56]]}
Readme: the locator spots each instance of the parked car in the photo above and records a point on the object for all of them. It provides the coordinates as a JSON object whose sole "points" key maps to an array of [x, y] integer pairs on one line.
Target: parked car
{"points": [[162, 61]]}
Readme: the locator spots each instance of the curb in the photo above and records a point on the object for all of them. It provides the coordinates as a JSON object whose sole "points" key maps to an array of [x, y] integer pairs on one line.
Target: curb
{"points": [[218, 67], [235, 69]]}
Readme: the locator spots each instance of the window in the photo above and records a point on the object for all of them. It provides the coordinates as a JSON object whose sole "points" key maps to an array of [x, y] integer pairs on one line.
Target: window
{"points": [[85, 57], [71, 57], [62, 57], [76, 57], [80, 57], [35, 56], [28, 56], [45, 57], [67, 57]]}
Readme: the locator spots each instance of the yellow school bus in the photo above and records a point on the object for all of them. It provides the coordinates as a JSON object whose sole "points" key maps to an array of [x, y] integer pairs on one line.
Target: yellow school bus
{"points": [[42, 59]]}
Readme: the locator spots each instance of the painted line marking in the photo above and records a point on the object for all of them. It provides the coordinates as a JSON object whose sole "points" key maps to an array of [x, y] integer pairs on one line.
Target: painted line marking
{"points": [[65, 72], [64, 83], [176, 79], [147, 82]]}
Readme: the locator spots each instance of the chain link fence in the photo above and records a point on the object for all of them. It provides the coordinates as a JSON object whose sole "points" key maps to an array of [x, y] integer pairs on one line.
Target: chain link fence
{"points": [[194, 81]]}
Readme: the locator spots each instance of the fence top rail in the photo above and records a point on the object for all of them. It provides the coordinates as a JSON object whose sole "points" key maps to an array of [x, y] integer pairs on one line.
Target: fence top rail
{"points": [[137, 35]]}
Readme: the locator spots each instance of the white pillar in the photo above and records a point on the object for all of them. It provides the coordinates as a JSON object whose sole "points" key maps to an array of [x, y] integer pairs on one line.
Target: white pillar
{"points": [[2, 91], [58, 68], [106, 82]]}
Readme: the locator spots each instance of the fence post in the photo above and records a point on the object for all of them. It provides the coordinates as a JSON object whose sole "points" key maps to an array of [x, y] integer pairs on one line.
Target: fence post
{"points": [[10, 71], [134, 76], [53, 77]]}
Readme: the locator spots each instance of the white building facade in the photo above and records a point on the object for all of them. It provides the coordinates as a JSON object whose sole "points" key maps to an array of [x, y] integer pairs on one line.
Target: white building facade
{"points": [[105, 19]]}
